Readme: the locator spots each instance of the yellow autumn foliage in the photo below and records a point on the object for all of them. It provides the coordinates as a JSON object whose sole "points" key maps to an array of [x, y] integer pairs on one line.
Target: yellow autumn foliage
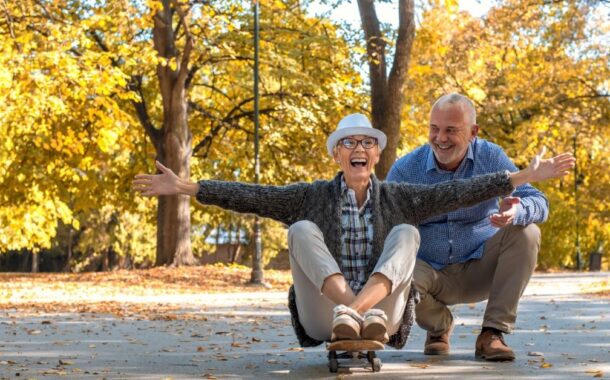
{"points": [[74, 74]]}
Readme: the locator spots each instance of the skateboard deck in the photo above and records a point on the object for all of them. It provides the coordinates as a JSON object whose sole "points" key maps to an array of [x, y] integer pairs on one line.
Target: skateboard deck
{"points": [[352, 353]]}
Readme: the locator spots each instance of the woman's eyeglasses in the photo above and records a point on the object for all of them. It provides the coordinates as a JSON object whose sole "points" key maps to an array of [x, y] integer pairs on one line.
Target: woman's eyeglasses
{"points": [[351, 143]]}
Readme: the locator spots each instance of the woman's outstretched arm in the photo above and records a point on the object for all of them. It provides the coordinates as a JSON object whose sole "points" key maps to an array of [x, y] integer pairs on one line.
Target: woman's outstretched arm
{"points": [[425, 201], [281, 203]]}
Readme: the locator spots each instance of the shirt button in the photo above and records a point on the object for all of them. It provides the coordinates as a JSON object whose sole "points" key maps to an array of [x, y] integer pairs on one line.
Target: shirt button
{"points": [[450, 241]]}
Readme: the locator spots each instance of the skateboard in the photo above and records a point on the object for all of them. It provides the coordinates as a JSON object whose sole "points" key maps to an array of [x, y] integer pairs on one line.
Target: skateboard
{"points": [[355, 351]]}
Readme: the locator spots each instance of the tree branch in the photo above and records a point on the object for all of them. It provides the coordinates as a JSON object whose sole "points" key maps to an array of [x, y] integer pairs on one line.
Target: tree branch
{"points": [[229, 122], [188, 47], [375, 47], [404, 43], [9, 19], [154, 134]]}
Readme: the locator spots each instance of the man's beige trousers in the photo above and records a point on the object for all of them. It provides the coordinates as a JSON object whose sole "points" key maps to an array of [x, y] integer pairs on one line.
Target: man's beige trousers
{"points": [[500, 276]]}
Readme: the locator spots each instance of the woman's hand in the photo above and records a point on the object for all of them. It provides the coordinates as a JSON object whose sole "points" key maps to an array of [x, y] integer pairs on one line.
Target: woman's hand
{"points": [[542, 169], [166, 183]]}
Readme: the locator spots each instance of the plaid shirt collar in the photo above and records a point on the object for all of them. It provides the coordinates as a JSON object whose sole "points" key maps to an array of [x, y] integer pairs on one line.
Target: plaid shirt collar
{"points": [[345, 191]]}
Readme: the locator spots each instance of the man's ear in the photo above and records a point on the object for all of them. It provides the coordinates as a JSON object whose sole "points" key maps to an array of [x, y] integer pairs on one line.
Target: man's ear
{"points": [[474, 131]]}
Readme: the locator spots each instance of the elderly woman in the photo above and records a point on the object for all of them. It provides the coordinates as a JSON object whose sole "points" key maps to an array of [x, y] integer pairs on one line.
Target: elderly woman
{"points": [[352, 239]]}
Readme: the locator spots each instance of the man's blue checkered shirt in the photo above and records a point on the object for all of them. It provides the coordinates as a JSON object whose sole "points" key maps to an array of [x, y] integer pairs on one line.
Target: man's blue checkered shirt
{"points": [[460, 236]]}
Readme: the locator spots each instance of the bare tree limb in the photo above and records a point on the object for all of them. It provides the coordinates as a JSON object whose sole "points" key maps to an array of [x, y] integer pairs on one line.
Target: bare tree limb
{"points": [[153, 133], [188, 47]]}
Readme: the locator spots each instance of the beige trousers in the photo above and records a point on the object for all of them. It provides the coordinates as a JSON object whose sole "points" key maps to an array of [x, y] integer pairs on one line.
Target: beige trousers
{"points": [[311, 263], [500, 276]]}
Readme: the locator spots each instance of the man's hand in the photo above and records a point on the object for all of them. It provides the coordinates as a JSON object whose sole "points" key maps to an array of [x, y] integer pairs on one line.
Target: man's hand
{"points": [[541, 169], [507, 212], [166, 183]]}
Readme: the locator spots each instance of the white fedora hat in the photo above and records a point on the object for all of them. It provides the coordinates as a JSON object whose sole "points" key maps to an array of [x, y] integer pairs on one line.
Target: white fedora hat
{"points": [[352, 125]]}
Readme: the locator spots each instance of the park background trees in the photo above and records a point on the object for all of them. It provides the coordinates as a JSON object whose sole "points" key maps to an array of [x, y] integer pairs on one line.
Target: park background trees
{"points": [[94, 92]]}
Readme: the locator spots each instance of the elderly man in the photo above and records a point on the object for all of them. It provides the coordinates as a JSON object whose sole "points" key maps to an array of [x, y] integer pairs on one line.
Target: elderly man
{"points": [[351, 239], [487, 251]]}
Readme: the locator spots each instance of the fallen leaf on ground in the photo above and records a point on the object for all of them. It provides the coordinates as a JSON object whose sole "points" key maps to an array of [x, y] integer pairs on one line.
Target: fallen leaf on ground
{"points": [[595, 372], [534, 353], [54, 372], [422, 366]]}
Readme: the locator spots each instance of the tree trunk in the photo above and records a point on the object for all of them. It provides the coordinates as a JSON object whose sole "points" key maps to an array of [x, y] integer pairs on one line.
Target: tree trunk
{"points": [[230, 246], [35, 262], [69, 253], [236, 254], [105, 260], [174, 214], [173, 144], [237, 251], [217, 242], [386, 92]]}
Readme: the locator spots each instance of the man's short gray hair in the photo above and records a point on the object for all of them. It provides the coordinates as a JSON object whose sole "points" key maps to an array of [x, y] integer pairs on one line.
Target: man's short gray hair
{"points": [[455, 98]]}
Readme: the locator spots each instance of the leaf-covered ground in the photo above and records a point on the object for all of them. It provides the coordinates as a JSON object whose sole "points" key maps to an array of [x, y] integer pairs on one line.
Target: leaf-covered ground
{"points": [[203, 322], [600, 289], [150, 293], [157, 293]]}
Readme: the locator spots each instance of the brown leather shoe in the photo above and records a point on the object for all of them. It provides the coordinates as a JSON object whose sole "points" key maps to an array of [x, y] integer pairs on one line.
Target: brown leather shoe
{"points": [[437, 344], [491, 346]]}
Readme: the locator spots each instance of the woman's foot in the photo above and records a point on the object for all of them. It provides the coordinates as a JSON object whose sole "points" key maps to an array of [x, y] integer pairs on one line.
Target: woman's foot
{"points": [[374, 325], [346, 323]]}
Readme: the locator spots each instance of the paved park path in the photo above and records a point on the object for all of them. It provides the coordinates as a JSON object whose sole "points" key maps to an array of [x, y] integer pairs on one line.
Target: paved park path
{"points": [[560, 334]]}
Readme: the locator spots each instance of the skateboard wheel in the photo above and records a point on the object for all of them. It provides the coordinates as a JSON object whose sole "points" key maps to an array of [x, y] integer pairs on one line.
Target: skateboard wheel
{"points": [[370, 355], [376, 365], [333, 365]]}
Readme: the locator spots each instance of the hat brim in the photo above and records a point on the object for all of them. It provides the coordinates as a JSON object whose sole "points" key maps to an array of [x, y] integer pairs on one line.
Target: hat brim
{"points": [[334, 137]]}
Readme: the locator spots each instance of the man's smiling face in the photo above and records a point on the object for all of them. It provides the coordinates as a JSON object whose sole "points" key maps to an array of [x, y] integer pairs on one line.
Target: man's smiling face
{"points": [[450, 133]]}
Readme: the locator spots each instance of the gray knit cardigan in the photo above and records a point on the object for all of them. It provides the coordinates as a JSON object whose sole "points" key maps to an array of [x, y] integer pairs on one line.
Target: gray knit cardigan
{"points": [[320, 203]]}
